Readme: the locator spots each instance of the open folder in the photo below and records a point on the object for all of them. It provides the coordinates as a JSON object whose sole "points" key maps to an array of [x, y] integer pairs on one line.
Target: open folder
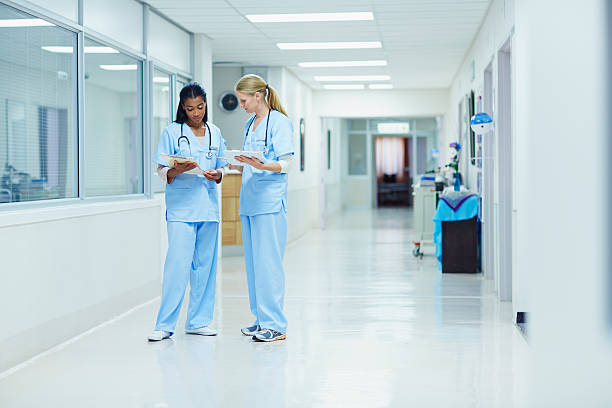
{"points": [[170, 159], [230, 156]]}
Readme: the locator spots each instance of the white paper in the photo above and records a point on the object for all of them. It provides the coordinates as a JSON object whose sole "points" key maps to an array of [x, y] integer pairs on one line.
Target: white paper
{"points": [[230, 156], [170, 159]]}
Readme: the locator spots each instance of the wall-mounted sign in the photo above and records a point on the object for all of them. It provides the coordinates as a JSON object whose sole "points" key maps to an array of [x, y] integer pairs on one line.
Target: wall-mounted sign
{"points": [[393, 128]]}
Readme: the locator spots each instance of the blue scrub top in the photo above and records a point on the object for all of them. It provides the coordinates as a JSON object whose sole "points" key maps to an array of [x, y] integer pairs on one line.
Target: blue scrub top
{"points": [[191, 197], [262, 191]]}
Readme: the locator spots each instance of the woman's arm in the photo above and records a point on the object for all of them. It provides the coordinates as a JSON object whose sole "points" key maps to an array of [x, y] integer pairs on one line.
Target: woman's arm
{"points": [[280, 166], [179, 168]]}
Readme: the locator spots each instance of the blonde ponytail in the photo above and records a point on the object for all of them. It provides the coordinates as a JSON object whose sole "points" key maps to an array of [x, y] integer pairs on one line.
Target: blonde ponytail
{"points": [[251, 83]]}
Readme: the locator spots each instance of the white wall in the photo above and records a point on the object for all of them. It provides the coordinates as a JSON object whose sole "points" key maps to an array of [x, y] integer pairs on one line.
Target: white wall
{"points": [[66, 269], [563, 116], [121, 20], [496, 29], [169, 43], [389, 103], [230, 123], [71, 266]]}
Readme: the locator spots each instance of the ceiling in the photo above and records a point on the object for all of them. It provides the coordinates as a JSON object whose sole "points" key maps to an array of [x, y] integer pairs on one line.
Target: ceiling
{"points": [[424, 41]]}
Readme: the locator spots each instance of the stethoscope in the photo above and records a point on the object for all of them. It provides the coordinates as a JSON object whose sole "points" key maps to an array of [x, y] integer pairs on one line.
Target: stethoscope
{"points": [[209, 155], [266, 149]]}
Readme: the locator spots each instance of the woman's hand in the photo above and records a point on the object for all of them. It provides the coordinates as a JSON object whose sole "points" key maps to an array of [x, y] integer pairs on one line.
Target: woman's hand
{"points": [[183, 167], [251, 162], [274, 167], [212, 174], [180, 168]]}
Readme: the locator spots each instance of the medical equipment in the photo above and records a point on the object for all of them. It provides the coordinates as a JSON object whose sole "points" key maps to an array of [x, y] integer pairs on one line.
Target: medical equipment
{"points": [[456, 231], [209, 154], [481, 123], [425, 198], [266, 149]]}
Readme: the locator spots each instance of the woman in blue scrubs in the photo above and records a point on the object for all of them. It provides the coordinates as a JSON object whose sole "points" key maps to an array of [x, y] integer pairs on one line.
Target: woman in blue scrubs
{"points": [[263, 205], [192, 215]]}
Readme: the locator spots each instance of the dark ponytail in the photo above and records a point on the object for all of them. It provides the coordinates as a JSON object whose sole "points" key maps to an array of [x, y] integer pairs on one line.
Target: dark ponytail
{"points": [[191, 90]]}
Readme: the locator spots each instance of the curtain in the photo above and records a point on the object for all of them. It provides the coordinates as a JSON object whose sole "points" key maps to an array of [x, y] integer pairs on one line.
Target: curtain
{"points": [[390, 157]]}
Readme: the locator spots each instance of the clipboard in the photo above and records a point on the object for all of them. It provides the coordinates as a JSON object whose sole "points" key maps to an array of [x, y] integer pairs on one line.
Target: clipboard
{"points": [[230, 156], [170, 159]]}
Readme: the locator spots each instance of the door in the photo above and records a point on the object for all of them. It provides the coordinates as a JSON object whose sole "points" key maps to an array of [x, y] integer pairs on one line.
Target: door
{"points": [[488, 141], [504, 157]]}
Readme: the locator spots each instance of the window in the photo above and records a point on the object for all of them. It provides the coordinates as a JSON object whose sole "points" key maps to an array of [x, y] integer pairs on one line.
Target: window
{"points": [[113, 125], [180, 83], [357, 154], [37, 110], [161, 118]]}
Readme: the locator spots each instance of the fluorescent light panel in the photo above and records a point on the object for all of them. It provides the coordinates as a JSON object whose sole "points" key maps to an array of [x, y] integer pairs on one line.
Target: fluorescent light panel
{"points": [[380, 86], [329, 45], [333, 64], [25, 22], [88, 50], [348, 78], [309, 17], [119, 67], [344, 86]]}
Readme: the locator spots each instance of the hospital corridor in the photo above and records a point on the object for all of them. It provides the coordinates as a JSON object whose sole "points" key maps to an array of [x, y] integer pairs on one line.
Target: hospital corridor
{"points": [[355, 341], [365, 203]]}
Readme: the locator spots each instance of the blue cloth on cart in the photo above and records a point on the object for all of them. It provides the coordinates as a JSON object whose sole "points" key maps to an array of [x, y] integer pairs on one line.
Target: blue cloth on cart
{"points": [[452, 207]]}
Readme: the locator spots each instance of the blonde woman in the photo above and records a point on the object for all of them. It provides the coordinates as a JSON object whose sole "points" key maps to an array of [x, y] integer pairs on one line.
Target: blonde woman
{"points": [[263, 205]]}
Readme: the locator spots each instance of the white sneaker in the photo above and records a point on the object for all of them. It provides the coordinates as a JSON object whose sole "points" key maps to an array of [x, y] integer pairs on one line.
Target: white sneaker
{"points": [[158, 335], [202, 331]]}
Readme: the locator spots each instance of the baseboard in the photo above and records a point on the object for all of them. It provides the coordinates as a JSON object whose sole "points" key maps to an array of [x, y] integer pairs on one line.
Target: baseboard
{"points": [[521, 322], [36, 340]]}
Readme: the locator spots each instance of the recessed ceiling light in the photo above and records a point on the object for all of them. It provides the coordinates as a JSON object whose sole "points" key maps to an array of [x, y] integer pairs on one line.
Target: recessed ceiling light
{"points": [[342, 78], [380, 86], [130, 67], [88, 50], [333, 64], [309, 17], [329, 45], [344, 86], [24, 22]]}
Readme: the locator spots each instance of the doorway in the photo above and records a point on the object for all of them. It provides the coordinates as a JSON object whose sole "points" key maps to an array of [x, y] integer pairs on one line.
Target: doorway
{"points": [[504, 214], [392, 164], [488, 228]]}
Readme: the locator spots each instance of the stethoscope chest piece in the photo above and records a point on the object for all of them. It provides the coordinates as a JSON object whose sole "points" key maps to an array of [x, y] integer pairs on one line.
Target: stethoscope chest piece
{"points": [[209, 154]]}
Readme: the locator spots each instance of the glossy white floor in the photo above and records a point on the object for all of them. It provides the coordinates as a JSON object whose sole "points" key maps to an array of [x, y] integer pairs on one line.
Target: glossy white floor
{"points": [[370, 326]]}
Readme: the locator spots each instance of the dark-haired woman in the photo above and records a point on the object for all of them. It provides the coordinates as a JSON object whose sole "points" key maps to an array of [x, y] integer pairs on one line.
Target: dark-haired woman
{"points": [[192, 215]]}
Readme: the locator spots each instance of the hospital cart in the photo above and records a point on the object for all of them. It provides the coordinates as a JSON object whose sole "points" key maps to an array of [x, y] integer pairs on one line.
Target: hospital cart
{"points": [[425, 198]]}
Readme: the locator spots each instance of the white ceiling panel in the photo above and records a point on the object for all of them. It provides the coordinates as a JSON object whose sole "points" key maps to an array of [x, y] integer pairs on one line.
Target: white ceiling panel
{"points": [[424, 41]]}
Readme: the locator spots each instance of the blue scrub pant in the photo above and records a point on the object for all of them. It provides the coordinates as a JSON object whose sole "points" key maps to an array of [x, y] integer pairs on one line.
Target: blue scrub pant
{"points": [[264, 238], [192, 257]]}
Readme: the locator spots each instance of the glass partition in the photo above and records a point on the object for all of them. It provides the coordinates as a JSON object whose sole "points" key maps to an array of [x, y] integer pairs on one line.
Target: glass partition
{"points": [[113, 124], [37, 109]]}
